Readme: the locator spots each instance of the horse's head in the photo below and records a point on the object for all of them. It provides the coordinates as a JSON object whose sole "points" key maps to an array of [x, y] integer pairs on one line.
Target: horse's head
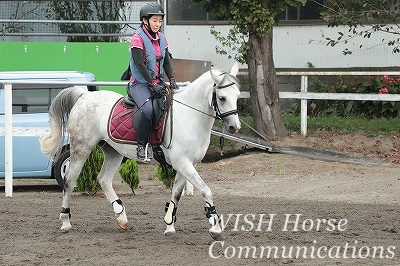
{"points": [[224, 98]]}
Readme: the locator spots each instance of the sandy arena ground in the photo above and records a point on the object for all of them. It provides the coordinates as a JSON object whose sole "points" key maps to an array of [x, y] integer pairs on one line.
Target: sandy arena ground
{"points": [[358, 206]]}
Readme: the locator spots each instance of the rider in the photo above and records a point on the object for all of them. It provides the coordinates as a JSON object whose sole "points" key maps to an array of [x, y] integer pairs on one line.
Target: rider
{"points": [[149, 53]]}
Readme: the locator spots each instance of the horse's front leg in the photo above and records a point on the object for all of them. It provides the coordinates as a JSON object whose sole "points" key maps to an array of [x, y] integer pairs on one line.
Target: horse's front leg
{"points": [[171, 207], [214, 220], [190, 172]]}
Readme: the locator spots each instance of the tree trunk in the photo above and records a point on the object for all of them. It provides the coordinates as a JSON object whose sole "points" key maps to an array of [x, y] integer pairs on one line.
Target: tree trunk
{"points": [[264, 92]]}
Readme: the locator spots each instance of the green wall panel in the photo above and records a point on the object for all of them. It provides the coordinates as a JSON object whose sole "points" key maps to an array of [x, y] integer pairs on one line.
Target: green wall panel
{"points": [[107, 61], [41, 56]]}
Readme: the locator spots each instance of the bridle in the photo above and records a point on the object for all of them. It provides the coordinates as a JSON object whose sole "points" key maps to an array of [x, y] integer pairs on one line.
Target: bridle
{"points": [[214, 101]]}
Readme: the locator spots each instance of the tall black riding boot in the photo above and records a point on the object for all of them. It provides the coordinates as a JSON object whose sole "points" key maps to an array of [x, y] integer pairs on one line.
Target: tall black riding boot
{"points": [[143, 131]]}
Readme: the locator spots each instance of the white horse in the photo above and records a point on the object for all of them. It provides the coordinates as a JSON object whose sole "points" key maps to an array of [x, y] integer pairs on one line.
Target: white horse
{"points": [[84, 117]]}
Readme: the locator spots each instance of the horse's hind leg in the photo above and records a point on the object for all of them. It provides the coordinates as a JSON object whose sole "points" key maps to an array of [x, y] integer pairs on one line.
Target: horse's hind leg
{"points": [[171, 207], [70, 181], [112, 161]]}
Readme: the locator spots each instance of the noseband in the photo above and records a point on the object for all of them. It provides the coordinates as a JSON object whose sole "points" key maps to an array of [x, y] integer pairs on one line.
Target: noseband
{"points": [[220, 115]]}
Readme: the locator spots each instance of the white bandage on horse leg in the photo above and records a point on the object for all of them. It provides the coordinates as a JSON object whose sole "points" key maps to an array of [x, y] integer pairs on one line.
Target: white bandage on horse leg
{"points": [[118, 206], [170, 213]]}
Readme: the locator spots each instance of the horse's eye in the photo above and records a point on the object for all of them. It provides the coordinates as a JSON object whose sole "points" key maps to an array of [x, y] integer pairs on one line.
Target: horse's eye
{"points": [[222, 98]]}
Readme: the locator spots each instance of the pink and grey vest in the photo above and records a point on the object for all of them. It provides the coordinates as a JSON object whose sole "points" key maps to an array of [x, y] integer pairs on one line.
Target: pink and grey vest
{"points": [[150, 59]]}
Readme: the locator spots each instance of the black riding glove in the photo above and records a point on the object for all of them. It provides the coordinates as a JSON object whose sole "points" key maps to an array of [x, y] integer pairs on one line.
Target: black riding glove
{"points": [[173, 85], [157, 90]]}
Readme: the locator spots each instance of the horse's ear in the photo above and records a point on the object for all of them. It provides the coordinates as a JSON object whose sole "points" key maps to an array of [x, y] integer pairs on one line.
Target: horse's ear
{"points": [[235, 69], [215, 77]]}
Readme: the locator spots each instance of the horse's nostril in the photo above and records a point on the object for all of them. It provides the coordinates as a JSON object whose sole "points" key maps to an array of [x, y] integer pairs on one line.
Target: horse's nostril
{"points": [[231, 129]]}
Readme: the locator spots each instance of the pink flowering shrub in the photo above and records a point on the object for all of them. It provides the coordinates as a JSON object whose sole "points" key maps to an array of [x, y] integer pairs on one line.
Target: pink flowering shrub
{"points": [[383, 90], [372, 84]]}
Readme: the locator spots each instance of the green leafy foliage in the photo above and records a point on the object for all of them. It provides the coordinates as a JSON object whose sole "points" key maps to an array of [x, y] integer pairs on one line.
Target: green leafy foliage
{"points": [[166, 176], [87, 180], [129, 172], [231, 47], [88, 10], [21, 10], [364, 18]]}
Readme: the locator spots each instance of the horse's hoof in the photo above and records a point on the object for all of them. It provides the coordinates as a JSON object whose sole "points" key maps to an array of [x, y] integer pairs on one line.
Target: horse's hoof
{"points": [[169, 233], [122, 221], [66, 225], [216, 236], [215, 230], [66, 228], [122, 225]]}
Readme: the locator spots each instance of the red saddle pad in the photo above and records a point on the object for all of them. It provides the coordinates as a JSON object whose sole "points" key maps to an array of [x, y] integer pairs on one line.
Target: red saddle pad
{"points": [[120, 126]]}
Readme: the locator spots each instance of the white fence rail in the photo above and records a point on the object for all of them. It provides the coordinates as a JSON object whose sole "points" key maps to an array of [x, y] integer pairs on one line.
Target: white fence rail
{"points": [[304, 95]]}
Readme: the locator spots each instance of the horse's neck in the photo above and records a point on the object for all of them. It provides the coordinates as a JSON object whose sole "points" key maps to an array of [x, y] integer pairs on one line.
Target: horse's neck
{"points": [[196, 96]]}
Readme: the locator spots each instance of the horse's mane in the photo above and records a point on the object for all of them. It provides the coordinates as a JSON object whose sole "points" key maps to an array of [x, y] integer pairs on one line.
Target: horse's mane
{"points": [[217, 72], [192, 83]]}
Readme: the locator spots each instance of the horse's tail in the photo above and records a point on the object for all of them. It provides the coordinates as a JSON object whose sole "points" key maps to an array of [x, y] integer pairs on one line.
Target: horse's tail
{"points": [[51, 142]]}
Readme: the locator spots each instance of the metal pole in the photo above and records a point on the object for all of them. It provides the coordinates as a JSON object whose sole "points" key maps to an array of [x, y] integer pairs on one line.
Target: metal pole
{"points": [[8, 140], [303, 107]]}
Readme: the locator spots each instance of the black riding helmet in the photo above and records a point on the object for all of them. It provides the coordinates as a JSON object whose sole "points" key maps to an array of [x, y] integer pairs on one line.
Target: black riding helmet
{"points": [[151, 9]]}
